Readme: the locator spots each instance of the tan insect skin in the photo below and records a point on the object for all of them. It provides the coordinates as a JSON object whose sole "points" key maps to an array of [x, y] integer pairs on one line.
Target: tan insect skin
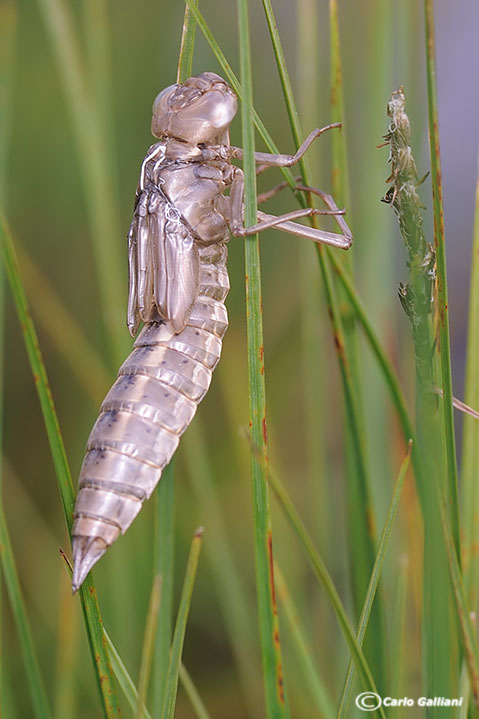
{"points": [[178, 283]]}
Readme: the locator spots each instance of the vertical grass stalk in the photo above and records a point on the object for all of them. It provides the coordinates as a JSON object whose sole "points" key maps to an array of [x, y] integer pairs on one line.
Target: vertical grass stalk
{"points": [[470, 453], [444, 344], [374, 581], [361, 519], [276, 703], [360, 563]]}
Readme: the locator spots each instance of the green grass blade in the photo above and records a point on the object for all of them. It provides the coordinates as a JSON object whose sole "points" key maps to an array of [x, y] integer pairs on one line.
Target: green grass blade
{"points": [[470, 450], [375, 643], [235, 84], [185, 60], [90, 607], [64, 333], [319, 692], [374, 581], [276, 701], [362, 528], [164, 566], [123, 678], [168, 708], [444, 344], [339, 169], [384, 363], [40, 705], [312, 322], [397, 635], [326, 582], [230, 590], [468, 629], [39, 373], [129, 689], [93, 156], [148, 645], [192, 693]]}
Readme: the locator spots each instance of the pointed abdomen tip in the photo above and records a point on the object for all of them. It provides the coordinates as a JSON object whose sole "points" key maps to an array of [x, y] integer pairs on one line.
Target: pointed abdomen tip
{"points": [[86, 552]]}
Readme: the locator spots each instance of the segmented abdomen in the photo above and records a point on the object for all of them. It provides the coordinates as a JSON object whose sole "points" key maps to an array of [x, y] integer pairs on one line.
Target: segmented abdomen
{"points": [[146, 411]]}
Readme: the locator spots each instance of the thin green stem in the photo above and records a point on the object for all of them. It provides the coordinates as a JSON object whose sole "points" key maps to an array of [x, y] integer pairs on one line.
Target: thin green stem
{"points": [[444, 344], [276, 702], [40, 704], [168, 709], [374, 581], [323, 576], [148, 645]]}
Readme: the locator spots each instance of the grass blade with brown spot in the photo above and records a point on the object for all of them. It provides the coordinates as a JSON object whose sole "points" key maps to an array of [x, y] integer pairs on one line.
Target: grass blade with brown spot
{"points": [[276, 702]]}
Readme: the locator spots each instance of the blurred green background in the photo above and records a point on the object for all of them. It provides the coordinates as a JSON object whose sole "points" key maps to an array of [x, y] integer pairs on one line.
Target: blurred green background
{"points": [[45, 200]]}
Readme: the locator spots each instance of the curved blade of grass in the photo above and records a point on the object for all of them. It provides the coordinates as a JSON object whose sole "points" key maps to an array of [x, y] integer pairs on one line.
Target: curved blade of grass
{"points": [[444, 344], [89, 602], [192, 693], [148, 645], [40, 705], [39, 372], [169, 702], [276, 702], [64, 332], [95, 164], [373, 582], [319, 692], [324, 578], [131, 694], [123, 678]]}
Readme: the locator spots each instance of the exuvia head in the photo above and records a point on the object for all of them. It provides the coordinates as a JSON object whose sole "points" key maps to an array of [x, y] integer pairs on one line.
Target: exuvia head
{"points": [[198, 111]]}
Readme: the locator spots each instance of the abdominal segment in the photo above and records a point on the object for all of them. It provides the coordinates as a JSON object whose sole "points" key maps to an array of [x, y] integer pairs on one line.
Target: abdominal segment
{"points": [[143, 416]]}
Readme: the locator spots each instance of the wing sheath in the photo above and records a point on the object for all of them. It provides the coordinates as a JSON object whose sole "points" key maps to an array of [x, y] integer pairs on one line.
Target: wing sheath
{"points": [[163, 262]]}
